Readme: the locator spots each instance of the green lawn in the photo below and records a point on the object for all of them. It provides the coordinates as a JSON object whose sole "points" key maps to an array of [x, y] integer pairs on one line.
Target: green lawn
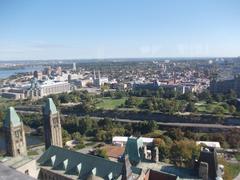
{"points": [[238, 156], [231, 170], [109, 103], [32, 153], [234, 169], [203, 107]]}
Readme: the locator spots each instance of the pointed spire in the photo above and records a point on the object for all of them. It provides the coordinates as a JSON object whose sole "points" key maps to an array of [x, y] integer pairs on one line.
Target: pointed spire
{"points": [[11, 118], [94, 74], [99, 75], [50, 107]]}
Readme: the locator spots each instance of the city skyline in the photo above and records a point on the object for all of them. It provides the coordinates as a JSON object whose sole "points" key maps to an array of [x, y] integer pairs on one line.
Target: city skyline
{"points": [[106, 29]]}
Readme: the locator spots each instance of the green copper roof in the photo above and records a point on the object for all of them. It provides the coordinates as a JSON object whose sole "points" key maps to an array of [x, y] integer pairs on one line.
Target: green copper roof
{"points": [[80, 165], [11, 118], [133, 149], [50, 107]]}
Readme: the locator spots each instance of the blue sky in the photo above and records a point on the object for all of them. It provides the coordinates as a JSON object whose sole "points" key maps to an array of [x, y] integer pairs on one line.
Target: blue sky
{"points": [[59, 29]]}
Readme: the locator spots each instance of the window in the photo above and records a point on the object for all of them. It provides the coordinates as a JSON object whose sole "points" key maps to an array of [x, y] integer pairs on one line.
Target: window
{"points": [[27, 172]]}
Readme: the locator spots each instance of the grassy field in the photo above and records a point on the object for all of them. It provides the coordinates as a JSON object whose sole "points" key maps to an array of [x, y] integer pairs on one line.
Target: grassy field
{"points": [[203, 107], [109, 103], [238, 156], [32, 153], [233, 169]]}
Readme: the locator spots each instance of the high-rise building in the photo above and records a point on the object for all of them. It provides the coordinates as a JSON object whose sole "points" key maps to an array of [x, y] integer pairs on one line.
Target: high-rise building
{"points": [[74, 67], [52, 125], [14, 134]]}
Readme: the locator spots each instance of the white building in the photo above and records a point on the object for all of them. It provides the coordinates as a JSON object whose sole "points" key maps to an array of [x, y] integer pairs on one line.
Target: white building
{"points": [[99, 81], [39, 90], [122, 140], [212, 144]]}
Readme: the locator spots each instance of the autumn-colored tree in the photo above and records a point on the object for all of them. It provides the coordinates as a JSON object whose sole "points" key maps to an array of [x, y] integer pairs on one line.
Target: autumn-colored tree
{"points": [[183, 152]]}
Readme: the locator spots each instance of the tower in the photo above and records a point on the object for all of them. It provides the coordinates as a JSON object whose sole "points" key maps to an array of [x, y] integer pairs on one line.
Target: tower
{"points": [[99, 75], [94, 74], [74, 67], [52, 125], [14, 134]]}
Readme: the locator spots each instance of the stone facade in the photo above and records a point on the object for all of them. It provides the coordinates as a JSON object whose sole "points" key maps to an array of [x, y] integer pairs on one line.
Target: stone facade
{"points": [[52, 125], [14, 134]]}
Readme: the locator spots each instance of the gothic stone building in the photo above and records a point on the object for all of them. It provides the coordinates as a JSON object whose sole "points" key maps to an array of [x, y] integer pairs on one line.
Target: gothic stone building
{"points": [[52, 125], [14, 134]]}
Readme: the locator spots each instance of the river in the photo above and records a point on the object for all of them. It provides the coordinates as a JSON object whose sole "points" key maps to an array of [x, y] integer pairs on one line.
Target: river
{"points": [[5, 73]]}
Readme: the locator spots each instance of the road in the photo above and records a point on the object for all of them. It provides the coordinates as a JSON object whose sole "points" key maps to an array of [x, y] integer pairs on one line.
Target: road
{"points": [[194, 125], [199, 125]]}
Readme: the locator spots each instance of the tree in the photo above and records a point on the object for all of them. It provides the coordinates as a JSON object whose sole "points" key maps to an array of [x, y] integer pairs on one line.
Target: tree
{"points": [[64, 98], [190, 107], [65, 136], [219, 110], [132, 102], [233, 138], [232, 109], [163, 148], [232, 94], [78, 137], [105, 123], [175, 134], [183, 152], [102, 153], [170, 93], [151, 126], [119, 94], [205, 96], [101, 135]]}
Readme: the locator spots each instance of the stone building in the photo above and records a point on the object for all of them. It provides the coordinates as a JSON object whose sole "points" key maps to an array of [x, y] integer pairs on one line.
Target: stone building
{"points": [[62, 164], [16, 148], [14, 134], [208, 167], [226, 85], [52, 125], [39, 89]]}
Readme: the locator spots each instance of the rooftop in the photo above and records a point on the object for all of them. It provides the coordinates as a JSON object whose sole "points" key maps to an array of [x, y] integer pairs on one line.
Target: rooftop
{"points": [[11, 118], [77, 165], [50, 107], [15, 162], [8, 173]]}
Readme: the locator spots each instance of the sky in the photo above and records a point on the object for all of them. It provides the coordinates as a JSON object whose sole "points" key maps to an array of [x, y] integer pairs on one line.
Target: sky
{"points": [[80, 29]]}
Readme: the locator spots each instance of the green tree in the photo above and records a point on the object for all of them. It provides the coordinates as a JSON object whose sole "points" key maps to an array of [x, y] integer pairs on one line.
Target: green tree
{"points": [[132, 102], [184, 152], [151, 126], [78, 137], [163, 148], [190, 107], [65, 136], [102, 153], [232, 109], [219, 110], [175, 134]]}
